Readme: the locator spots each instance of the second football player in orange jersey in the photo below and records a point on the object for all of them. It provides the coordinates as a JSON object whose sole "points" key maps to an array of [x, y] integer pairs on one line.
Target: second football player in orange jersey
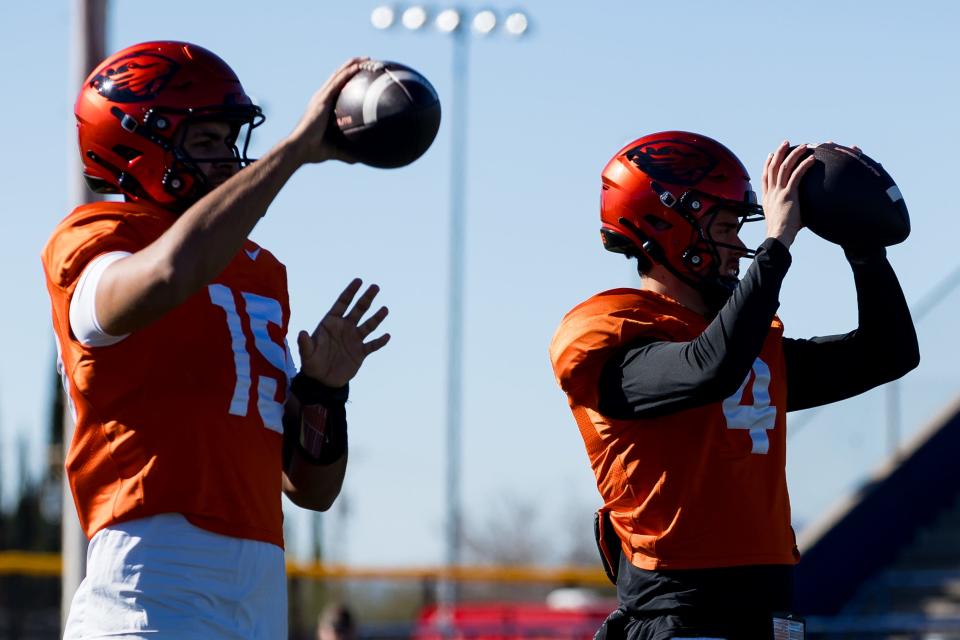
{"points": [[680, 389], [171, 328]]}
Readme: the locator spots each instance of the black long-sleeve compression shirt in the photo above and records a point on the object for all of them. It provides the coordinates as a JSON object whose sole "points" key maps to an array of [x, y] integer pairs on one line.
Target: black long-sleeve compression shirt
{"points": [[658, 377]]}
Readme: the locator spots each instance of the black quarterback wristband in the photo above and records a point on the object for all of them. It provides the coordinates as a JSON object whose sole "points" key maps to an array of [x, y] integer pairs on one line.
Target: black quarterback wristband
{"points": [[311, 391], [866, 255], [323, 434], [322, 438]]}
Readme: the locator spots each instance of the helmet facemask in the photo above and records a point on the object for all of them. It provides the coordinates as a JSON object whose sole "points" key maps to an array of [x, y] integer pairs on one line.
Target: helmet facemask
{"points": [[715, 285], [701, 262], [186, 176]]}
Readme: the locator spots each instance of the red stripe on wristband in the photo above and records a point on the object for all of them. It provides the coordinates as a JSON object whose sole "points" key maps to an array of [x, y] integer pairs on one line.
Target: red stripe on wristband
{"points": [[313, 426]]}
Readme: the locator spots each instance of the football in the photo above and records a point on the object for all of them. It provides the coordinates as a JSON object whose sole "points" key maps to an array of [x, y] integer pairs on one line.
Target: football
{"points": [[388, 113], [847, 198]]}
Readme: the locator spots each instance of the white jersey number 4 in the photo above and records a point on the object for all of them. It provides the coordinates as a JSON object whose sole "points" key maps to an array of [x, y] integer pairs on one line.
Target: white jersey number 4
{"points": [[757, 418]]}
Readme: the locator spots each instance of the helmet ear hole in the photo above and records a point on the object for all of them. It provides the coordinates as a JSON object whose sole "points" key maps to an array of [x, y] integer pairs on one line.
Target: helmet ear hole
{"points": [[617, 242], [99, 185]]}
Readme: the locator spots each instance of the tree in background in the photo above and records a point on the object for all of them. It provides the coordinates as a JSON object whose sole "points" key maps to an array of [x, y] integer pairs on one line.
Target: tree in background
{"points": [[30, 605], [513, 533]]}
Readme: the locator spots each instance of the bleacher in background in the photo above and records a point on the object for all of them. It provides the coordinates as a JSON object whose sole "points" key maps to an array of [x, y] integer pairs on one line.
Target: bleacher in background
{"points": [[886, 563]]}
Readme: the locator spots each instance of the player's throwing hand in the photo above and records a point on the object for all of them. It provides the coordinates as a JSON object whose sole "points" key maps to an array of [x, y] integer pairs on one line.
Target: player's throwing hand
{"points": [[315, 134], [333, 353]]}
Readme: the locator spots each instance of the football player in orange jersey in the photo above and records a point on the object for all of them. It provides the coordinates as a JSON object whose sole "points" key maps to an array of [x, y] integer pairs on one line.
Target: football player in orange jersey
{"points": [[171, 329], [680, 388]]}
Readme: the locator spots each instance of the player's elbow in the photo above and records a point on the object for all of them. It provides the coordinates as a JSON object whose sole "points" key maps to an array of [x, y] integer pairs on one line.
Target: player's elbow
{"points": [[907, 359], [314, 487], [896, 364], [901, 356], [912, 348], [912, 359]]}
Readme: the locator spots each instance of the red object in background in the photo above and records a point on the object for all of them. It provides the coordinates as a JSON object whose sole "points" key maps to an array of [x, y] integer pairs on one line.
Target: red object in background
{"points": [[512, 620]]}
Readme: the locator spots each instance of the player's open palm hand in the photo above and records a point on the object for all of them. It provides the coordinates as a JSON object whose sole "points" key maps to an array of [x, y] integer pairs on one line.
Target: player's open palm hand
{"points": [[333, 353]]}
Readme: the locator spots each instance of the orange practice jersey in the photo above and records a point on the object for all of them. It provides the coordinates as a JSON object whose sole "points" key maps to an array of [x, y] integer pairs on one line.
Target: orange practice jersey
{"points": [[700, 488], [183, 415]]}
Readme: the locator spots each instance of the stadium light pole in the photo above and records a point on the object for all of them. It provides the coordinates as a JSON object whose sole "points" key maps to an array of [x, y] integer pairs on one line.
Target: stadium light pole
{"points": [[453, 21], [88, 47]]}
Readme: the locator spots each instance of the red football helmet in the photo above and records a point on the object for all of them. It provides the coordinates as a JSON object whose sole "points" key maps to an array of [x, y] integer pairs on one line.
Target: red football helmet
{"points": [[656, 203], [133, 112]]}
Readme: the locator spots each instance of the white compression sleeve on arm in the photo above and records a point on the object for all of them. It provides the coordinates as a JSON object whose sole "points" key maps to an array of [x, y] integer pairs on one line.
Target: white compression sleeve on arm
{"points": [[83, 309]]}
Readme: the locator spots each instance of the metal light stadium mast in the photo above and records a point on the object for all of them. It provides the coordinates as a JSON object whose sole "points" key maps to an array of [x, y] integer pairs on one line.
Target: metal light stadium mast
{"points": [[451, 21]]}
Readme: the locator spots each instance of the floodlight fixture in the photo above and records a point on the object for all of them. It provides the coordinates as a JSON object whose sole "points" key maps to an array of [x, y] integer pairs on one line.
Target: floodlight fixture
{"points": [[516, 24], [382, 17], [414, 17], [448, 20], [484, 22]]}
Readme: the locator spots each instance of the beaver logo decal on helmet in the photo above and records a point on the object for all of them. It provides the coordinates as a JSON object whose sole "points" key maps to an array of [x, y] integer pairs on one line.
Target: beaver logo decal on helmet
{"points": [[673, 161], [135, 78]]}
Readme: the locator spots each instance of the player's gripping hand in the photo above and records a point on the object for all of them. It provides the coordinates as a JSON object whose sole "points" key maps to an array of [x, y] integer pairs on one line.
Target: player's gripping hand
{"points": [[782, 172], [333, 353], [316, 135]]}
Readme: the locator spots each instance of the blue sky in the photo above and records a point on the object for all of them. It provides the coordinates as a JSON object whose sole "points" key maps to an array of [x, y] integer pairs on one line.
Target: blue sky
{"points": [[545, 114]]}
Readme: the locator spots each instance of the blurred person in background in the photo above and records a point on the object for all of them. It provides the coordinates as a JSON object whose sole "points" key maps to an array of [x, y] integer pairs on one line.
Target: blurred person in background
{"points": [[680, 388], [336, 622], [171, 332]]}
